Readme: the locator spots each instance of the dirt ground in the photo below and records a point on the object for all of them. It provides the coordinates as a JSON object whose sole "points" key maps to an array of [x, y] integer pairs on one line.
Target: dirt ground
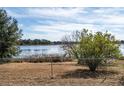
{"points": [[67, 73]]}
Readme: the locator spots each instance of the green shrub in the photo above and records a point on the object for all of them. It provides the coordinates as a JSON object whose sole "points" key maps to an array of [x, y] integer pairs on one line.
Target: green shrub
{"points": [[91, 49]]}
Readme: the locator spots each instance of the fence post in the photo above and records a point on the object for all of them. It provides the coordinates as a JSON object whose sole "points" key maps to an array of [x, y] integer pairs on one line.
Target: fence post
{"points": [[51, 68]]}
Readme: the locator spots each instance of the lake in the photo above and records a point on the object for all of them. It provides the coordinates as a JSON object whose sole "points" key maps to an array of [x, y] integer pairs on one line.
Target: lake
{"points": [[40, 49], [122, 49], [46, 49]]}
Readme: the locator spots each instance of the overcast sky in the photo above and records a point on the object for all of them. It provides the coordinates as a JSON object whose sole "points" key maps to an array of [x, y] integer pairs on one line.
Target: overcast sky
{"points": [[54, 23]]}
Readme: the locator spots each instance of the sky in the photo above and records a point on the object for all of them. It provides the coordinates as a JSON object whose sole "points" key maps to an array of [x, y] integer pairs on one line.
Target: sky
{"points": [[53, 23]]}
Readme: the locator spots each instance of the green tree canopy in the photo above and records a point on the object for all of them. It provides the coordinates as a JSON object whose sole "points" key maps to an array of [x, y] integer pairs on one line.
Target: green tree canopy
{"points": [[9, 35], [92, 49]]}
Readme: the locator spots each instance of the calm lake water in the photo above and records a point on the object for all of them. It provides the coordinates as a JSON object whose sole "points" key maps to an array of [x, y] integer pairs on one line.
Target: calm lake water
{"points": [[46, 49], [122, 49], [40, 49]]}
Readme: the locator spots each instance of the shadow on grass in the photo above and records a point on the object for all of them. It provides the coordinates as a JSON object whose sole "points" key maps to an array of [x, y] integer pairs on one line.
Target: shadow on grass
{"points": [[3, 63], [121, 81], [84, 73]]}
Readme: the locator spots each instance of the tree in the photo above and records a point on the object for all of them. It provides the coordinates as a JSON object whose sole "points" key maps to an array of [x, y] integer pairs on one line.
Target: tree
{"points": [[34, 42], [91, 49], [9, 35]]}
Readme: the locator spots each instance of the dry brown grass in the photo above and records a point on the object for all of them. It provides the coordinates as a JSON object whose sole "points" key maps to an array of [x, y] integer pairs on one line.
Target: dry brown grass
{"points": [[67, 73]]}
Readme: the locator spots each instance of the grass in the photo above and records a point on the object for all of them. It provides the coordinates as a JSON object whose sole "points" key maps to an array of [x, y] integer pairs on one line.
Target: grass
{"points": [[38, 59], [64, 73]]}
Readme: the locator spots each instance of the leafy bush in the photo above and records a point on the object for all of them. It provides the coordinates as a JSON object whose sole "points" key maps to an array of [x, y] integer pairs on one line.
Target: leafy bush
{"points": [[91, 49]]}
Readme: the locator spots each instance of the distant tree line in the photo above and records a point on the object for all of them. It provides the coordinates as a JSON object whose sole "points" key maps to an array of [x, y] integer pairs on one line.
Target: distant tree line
{"points": [[48, 42], [34, 42], [41, 42], [120, 41]]}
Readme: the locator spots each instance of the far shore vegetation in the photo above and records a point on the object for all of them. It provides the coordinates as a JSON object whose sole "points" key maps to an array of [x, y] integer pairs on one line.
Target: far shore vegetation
{"points": [[48, 42], [38, 42]]}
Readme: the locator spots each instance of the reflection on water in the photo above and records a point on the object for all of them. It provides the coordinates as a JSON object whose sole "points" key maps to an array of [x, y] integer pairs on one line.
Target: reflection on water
{"points": [[40, 49], [46, 49]]}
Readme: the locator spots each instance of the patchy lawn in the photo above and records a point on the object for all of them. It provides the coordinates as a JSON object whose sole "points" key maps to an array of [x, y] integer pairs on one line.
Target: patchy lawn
{"points": [[67, 73]]}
